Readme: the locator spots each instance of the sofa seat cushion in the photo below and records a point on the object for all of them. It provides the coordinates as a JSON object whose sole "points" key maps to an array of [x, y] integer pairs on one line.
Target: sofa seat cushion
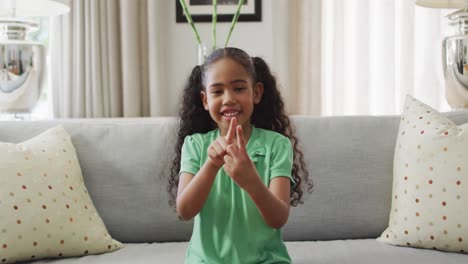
{"points": [[367, 251], [134, 253], [357, 251]]}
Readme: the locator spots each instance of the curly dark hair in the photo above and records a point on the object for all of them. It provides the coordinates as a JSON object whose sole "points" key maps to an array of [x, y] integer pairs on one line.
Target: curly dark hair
{"points": [[268, 114]]}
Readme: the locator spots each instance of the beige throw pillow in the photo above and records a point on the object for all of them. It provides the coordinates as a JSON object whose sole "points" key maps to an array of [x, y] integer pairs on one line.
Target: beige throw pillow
{"points": [[430, 182], [45, 208]]}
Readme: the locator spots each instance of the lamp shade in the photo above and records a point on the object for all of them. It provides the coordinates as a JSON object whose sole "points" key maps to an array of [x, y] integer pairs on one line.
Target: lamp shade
{"points": [[33, 8], [442, 3]]}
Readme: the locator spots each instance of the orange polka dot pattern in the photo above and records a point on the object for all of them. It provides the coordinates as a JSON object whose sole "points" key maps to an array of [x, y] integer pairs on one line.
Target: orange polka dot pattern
{"points": [[430, 182], [45, 208]]}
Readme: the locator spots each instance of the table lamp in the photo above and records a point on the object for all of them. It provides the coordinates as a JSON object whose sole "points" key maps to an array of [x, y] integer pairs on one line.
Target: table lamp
{"points": [[22, 61]]}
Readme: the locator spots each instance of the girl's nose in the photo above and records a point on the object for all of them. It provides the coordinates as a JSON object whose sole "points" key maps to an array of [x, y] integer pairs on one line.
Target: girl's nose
{"points": [[229, 98]]}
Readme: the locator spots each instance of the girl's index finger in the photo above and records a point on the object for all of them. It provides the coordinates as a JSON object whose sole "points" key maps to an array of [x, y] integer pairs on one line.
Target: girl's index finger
{"points": [[232, 126], [240, 138]]}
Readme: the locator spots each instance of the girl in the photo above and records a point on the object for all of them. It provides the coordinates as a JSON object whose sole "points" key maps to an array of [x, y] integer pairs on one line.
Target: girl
{"points": [[235, 169]]}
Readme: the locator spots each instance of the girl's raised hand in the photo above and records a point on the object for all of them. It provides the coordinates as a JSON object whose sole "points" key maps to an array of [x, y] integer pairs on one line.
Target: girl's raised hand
{"points": [[238, 164], [217, 149]]}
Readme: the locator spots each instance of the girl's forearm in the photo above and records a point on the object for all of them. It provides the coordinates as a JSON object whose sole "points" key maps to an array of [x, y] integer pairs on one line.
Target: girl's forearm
{"points": [[274, 211], [191, 200]]}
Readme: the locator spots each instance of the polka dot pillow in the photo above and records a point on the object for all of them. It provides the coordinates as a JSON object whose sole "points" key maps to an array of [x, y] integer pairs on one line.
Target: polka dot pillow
{"points": [[45, 209], [430, 182]]}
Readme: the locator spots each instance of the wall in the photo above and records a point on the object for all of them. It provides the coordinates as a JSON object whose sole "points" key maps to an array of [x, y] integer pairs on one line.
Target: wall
{"points": [[257, 38]]}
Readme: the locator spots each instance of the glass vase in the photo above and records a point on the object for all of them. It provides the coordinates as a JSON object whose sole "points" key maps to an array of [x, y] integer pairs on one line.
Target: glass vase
{"points": [[203, 51]]}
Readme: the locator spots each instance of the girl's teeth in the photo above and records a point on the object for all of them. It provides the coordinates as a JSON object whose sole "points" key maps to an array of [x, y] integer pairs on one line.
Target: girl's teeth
{"points": [[231, 114]]}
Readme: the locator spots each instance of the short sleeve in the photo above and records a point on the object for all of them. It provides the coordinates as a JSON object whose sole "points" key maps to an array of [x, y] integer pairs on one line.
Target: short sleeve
{"points": [[281, 159], [190, 158]]}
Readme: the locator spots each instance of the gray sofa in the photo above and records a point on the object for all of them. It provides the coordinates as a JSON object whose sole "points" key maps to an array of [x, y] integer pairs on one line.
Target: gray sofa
{"points": [[125, 164]]}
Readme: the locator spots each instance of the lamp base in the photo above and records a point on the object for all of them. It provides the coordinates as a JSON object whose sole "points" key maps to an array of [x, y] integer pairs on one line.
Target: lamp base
{"points": [[455, 60], [22, 64], [21, 75], [456, 70]]}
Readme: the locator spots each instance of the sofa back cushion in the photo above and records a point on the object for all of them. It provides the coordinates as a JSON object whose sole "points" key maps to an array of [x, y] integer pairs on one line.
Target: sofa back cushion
{"points": [[125, 164], [350, 160]]}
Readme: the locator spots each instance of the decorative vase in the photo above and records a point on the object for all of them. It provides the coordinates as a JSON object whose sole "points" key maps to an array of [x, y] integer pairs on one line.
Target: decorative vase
{"points": [[203, 51]]}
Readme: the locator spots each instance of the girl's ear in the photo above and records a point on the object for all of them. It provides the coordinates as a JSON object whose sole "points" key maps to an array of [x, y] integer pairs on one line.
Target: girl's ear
{"points": [[258, 92], [204, 100]]}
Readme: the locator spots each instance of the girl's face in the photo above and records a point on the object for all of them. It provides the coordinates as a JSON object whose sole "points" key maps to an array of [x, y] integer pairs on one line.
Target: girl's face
{"points": [[230, 92]]}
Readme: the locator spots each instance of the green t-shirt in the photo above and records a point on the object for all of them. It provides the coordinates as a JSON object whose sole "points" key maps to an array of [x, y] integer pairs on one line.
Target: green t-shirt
{"points": [[229, 228]]}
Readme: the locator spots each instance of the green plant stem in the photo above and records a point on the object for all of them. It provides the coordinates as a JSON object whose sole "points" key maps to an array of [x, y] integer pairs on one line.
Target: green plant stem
{"points": [[214, 20], [190, 21], [234, 20]]}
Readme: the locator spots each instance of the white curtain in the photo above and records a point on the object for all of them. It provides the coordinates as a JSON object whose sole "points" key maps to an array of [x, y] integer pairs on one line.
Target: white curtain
{"points": [[108, 59], [336, 57], [361, 57]]}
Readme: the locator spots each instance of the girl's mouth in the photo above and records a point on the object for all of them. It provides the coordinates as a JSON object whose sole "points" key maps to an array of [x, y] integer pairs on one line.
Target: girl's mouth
{"points": [[229, 115]]}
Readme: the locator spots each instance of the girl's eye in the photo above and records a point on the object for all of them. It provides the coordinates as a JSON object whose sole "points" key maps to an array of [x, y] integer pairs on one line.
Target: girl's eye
{"points": [[217, 92], [238, 89]]}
